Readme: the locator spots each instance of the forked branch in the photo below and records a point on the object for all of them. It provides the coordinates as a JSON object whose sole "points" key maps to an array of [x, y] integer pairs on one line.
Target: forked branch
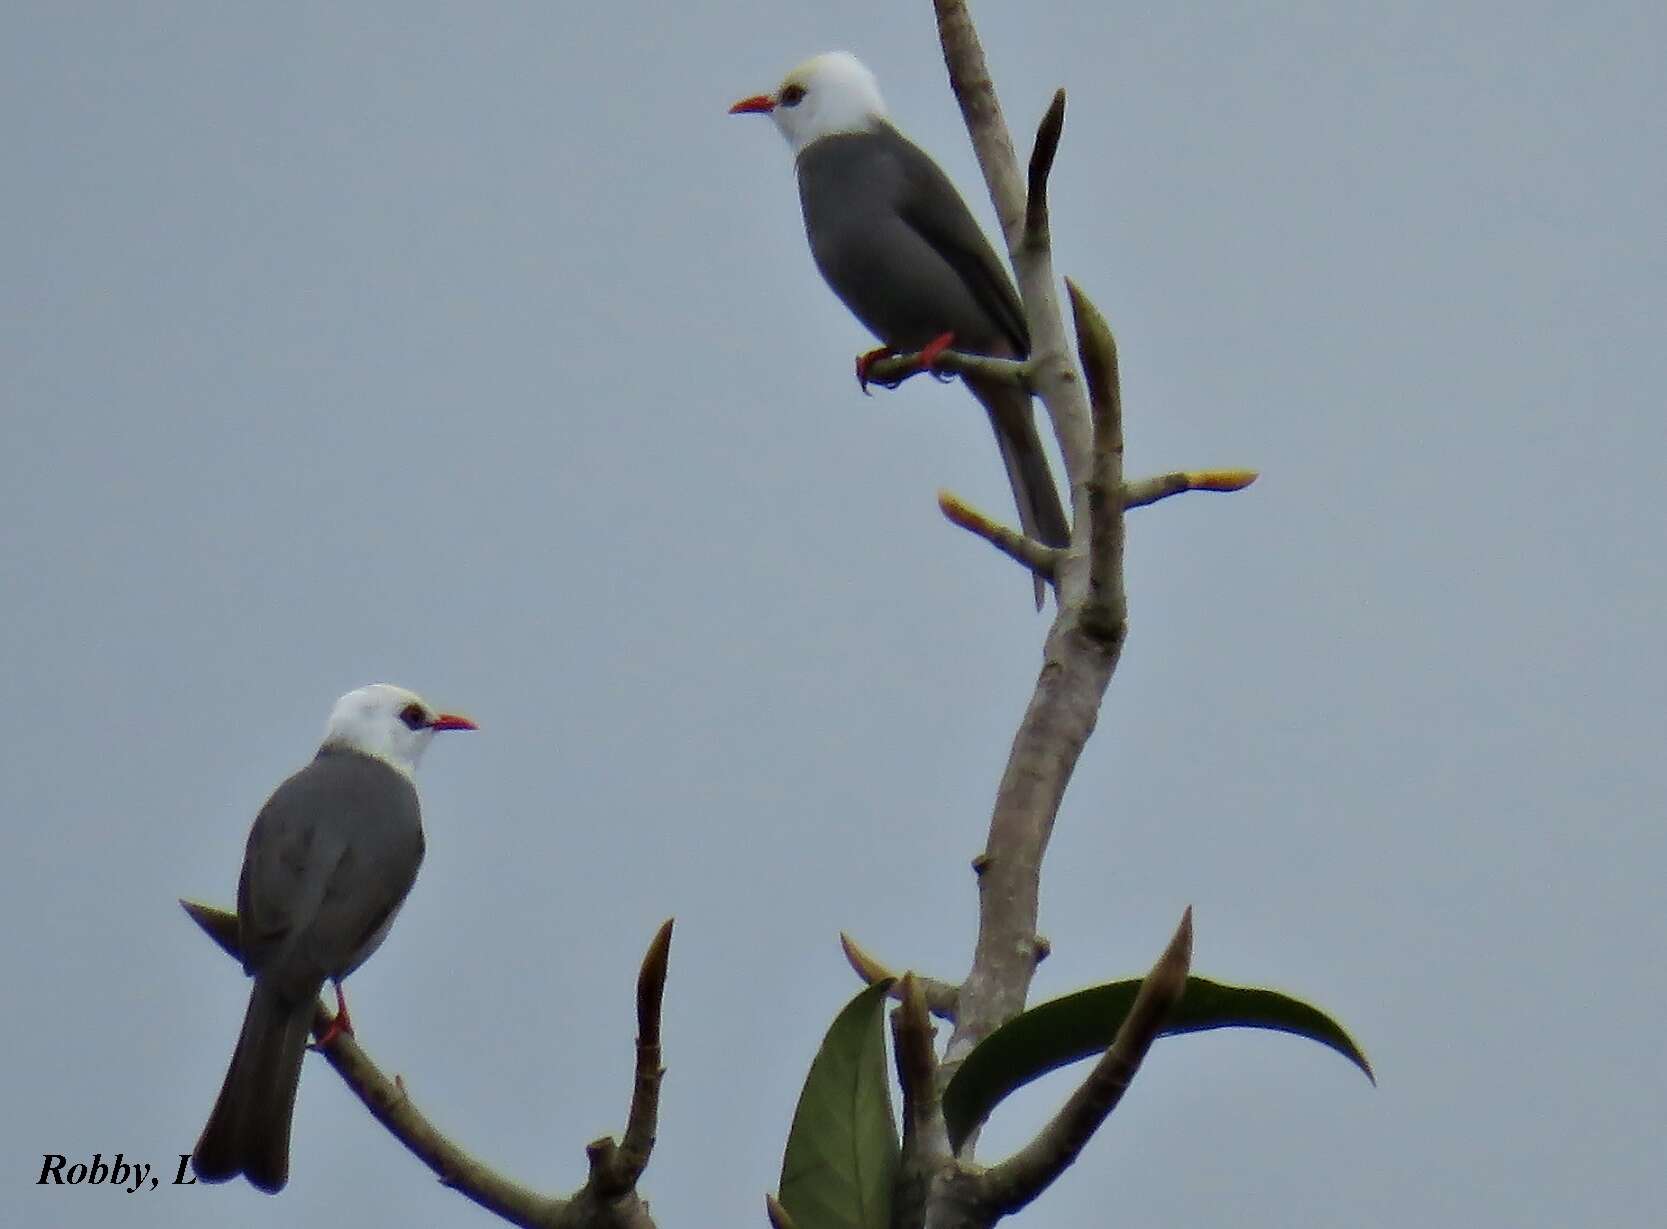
{"points": [[1012, 1184], [1076, 667], [598, 1205]]}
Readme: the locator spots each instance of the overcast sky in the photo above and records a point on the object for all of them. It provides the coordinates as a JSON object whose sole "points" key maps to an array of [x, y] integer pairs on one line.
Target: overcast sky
{"points": [[476, 348]]}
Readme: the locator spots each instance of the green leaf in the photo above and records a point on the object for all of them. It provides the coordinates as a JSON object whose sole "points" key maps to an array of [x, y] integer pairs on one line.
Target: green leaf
{"points": [[1081, 1025], [841, 1155]]}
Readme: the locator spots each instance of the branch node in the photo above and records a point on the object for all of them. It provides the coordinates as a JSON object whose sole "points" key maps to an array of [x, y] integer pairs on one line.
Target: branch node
{"points": [[1009, 1186]]}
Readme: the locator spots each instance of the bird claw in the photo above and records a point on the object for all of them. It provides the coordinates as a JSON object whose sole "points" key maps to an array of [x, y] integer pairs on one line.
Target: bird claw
{"points": [[928, 363], [340, 1023], [866, 361]]}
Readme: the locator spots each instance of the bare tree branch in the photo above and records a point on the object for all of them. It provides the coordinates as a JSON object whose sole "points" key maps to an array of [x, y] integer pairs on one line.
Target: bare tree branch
{"points": [[957, 1199], [1053, 377], [1084, 644], [616, 1170], [1039, 558], [1009, 1186], [892, 370], [1143, 491], [917, 1065], [969, 77], [1041, 166], [390, 1104], [939, 995], [925, 1135], [1056, 724], [1105, 610], [1078, 659]]}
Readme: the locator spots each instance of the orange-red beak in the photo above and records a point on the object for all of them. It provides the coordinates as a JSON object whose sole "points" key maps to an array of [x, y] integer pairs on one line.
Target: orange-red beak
{"points": [[758, 104], [451, 721]]}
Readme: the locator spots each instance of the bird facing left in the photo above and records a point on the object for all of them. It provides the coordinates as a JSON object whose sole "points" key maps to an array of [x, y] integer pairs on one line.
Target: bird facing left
{"points": [[330, 859], [895, 241]]}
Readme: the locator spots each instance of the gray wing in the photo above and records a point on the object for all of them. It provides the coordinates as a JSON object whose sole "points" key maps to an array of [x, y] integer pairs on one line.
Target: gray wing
{"points": [[898, 246], [330, 859], [933, 207]]}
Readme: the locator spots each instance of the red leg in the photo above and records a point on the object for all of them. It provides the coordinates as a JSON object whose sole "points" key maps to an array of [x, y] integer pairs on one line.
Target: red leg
{"points": [[930, 351], [340, 1023], [928, 361]]}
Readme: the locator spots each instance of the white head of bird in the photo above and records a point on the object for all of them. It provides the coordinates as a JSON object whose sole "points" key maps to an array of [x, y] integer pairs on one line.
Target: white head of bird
{"points": [[388, 723], [828, 94]]}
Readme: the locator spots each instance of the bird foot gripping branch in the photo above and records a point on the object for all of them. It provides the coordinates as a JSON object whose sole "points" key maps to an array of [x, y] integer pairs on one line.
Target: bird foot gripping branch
{"points": [[341, 1024], [931, 350], [866, 361], [926, 360], [896, 243]]}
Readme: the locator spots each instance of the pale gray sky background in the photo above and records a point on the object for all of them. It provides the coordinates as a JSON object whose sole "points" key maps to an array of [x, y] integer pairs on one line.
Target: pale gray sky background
{"points": [[476, 348]]}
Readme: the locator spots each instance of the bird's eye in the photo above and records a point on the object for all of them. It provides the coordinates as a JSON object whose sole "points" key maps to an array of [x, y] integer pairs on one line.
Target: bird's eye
{"points": [[791, 95], [414, 717]]}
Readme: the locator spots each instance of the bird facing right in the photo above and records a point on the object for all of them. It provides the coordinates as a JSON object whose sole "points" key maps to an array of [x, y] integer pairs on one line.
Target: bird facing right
{"points": [[330, 859]]}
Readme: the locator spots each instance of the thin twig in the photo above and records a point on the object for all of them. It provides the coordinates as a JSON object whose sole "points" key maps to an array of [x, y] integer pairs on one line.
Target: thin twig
{"points": [[925, 1135], [1105, 611], [620, 1167], [1041, 559], [939, 995], [389, 1102], [890, 371], [1143, 491], [1041, 166], [917, 1064], [1009, 1186]]}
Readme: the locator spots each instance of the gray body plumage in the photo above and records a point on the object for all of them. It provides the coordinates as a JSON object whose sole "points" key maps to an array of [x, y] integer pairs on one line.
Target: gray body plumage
{"points": [[330, 860], [899, 247]]}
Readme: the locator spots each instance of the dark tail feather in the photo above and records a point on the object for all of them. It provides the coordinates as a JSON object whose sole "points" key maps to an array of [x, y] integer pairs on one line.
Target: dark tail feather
{"points": [[248, 1132], [1014, 422]]}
